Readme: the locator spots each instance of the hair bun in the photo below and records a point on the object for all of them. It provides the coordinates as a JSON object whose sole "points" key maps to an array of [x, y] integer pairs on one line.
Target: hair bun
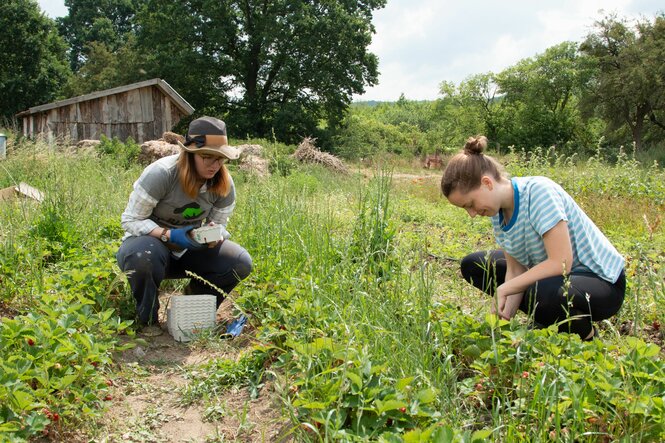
{"points": [[475, 145]]}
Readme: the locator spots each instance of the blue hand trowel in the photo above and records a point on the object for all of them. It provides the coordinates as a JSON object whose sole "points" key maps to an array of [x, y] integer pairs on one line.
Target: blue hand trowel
{"points": [[234, 328]]}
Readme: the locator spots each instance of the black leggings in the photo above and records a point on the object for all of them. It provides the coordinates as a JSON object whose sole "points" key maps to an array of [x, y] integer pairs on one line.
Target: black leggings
{"points": [[147, 261], [545, 299]]}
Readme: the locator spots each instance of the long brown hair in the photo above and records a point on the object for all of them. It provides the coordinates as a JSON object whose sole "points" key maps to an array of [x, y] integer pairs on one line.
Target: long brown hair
{"points": [[220, 184], [464, 171]]}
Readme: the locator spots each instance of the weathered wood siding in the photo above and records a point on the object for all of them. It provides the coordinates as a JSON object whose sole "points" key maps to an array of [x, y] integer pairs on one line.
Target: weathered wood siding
{"points": [[142, 114]]}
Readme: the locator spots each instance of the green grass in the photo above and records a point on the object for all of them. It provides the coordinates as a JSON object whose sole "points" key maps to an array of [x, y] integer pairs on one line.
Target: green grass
{"points": [[362, 321]]}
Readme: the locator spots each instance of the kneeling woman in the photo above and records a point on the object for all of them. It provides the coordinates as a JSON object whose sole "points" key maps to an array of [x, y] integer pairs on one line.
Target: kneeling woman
{"points": [[171, 197], [553, 263]]}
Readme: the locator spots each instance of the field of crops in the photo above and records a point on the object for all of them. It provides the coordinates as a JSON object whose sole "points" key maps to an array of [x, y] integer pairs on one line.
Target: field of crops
{"points": [[360, 327]]}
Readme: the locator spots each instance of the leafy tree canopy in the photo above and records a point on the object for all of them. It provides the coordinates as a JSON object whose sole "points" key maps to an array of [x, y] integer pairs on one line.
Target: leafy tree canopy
{"points": [[33, 57], [542, 94], [629, 88], [102, 21], [264, 65]]}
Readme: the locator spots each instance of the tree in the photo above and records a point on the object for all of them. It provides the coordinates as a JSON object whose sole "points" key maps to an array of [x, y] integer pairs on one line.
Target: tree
{"points": [[652, 39], [108, 22], [33, 63], [286, 65], [474, 107], [542, 93], [629, 86], [105, 69]]}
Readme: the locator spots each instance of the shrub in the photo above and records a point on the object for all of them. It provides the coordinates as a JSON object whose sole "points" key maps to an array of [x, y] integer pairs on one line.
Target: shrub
{"points": [[127, 153]]}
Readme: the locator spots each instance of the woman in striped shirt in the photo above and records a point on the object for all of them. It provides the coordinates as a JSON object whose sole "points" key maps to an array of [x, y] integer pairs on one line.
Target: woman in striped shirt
{"points": [[554, 262]]}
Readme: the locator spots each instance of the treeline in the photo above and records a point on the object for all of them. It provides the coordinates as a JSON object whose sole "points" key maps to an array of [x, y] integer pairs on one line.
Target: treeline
{"points": [[284, 70], [607, 91]]}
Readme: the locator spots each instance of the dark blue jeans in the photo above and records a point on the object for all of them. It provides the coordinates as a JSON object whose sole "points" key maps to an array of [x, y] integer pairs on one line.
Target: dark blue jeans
{"points": [[589, 297], [147, 261]]}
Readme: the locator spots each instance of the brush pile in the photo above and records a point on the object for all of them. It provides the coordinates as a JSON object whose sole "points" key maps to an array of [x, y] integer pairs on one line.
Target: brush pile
{"points": [[172, 138], [155, 149], [247, 150], [254, 165], [308, 153]]}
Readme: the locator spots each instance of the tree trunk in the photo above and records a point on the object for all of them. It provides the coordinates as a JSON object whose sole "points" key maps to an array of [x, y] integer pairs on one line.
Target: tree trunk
{"points": [[637, 126]]}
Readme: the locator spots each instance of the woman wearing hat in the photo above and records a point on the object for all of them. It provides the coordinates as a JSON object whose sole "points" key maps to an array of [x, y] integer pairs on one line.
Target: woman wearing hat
{"points": [[172, 196]]}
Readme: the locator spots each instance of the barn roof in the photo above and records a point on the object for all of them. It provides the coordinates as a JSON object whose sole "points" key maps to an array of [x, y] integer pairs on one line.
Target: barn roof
{"points": [[180, 102]]}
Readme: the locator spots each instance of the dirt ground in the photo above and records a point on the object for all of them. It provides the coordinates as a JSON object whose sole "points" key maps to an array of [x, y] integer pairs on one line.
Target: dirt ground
{"points": [[146, 401]]}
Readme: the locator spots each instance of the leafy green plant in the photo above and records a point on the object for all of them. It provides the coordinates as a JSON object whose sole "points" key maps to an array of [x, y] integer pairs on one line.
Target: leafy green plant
{"points": [[213, 378], [282, 165], [357, 310], [54, 364], [126, 153], [373, 234]]}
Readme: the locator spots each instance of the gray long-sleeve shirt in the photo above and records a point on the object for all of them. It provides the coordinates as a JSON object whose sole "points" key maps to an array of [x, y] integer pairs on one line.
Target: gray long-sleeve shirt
{"points": [[159, 200]]}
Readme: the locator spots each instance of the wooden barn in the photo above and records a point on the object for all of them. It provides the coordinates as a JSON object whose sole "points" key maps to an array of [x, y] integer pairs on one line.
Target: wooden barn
{"points": [[142, 111]]}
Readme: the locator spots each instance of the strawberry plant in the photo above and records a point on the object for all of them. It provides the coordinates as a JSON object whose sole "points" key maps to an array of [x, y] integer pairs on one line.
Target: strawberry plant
{"points": [[53, 364]]}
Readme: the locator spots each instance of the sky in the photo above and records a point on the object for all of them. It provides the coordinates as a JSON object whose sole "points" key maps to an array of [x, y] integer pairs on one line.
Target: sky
{"points": [[421, 43]]}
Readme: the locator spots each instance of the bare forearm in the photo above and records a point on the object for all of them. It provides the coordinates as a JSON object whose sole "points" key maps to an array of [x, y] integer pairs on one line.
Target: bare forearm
{"points": [[545, 269], [511, 304]]}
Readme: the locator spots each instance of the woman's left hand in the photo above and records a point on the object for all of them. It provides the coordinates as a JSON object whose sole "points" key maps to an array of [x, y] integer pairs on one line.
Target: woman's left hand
{"points": [[224, 232], [508, 303]]}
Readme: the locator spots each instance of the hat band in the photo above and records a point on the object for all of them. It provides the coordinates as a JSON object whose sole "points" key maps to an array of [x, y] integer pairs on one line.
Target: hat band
{"points": [[206, 140]]}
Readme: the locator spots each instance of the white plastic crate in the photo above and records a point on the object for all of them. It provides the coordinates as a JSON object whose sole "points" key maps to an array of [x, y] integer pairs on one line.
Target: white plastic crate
{"points": [[188, 314]]}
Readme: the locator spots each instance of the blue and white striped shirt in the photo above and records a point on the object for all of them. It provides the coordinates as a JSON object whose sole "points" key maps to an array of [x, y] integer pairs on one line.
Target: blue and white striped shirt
{"points": [[540, 204]]}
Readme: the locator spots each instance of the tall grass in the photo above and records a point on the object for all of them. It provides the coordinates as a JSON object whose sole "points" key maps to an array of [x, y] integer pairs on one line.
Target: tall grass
{"points": [[358, 303], [342, 276]]}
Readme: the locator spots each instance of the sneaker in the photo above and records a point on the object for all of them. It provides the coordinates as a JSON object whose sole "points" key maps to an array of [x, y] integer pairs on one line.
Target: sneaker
{"points": [[151, 331]]}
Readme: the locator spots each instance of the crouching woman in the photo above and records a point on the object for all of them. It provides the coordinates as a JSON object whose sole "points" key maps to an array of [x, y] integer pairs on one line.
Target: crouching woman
{"points": [[172, 196], [553, 261]]}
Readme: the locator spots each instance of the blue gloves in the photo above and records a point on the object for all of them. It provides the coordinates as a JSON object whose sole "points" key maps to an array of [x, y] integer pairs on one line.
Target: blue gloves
{"points": [[180, 237]]}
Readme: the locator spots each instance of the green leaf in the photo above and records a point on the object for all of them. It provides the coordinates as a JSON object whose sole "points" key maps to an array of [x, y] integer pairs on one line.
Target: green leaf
{"points": [[414, 436], [440, 434], [389, 405], [404, 382], [11, 426], [313, 405], [472, 351], [355, 379], [426, 396], [481, 435], [65, 381], [312, 348], [22, 400]]}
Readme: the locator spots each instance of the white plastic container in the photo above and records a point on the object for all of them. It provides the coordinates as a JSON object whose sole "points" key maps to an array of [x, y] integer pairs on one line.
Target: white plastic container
{"points": [[207, 234], [188, 314]]}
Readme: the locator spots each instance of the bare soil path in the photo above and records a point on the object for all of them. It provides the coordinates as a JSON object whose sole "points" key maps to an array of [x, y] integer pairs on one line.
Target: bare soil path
{"points": [[146, 396]]}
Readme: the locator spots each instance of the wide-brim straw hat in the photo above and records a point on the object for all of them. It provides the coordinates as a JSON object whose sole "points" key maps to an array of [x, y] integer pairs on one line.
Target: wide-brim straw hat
{"points": [[207, 135]]}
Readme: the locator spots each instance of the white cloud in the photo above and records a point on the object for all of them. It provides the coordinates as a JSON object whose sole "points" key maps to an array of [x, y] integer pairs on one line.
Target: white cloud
{"points": [[421, 43]]}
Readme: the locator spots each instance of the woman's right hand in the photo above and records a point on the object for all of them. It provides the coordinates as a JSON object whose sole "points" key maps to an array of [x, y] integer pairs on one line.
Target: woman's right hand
{"points": [[180, 237]]}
